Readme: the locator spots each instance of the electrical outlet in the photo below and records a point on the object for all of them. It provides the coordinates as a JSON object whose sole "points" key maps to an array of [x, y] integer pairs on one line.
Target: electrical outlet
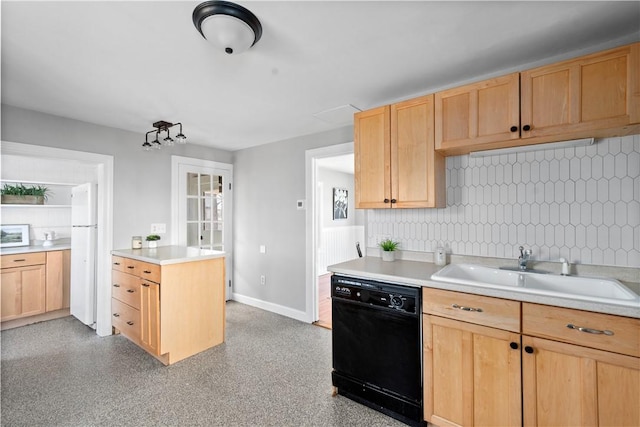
{"points": [[263, 280], [158, 228]]}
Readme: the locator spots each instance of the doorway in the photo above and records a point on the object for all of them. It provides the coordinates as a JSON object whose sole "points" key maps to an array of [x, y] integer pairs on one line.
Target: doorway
{"points": [[331, 234], [202, 207], [103, 167]]}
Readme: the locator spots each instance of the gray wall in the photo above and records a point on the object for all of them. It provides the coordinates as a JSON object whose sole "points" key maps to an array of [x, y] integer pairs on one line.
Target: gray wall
{"points": [[142, 180], [269, 179]]}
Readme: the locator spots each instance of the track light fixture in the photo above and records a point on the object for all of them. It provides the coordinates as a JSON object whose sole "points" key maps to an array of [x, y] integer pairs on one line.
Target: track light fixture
{"points": [[228, 26], [163, 126]]}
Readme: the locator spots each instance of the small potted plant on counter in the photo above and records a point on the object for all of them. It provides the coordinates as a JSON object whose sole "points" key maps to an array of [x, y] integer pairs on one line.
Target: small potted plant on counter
{"points": [[20, 194], [388, 247], [153, 240]]}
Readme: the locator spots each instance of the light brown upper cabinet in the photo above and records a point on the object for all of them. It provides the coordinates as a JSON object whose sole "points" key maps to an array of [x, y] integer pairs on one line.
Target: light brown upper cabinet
{"points": [[396, 165], [589, 94], [477, 114], [596, 95]]}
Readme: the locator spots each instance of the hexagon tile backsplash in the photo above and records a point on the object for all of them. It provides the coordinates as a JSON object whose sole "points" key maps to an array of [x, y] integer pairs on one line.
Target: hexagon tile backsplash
{"points": [[580, 203]]}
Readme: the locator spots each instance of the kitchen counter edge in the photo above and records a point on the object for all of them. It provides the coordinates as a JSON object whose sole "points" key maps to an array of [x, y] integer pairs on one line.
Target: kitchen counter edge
{"points": [[418, 274], [166, 255], [33, 249]]}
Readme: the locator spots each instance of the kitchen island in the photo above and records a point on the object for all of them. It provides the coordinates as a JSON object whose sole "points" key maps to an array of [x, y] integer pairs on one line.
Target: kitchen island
{"points": [[169, 300]]}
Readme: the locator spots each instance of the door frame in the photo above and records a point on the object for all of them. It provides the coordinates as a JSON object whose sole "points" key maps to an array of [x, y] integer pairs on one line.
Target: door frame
{"points": [[311, 226], [227, 169], [104, 172]]}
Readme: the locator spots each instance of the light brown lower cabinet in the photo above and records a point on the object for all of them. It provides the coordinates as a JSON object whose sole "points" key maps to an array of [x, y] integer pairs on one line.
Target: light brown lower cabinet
{"points": [[172, 311], [472, 374], [592, 381], [471, 371], [34, 283], [560, 363]]}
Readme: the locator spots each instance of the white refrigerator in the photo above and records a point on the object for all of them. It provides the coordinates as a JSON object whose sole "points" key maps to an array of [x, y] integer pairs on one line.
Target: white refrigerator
{"points": [[83, 253]]}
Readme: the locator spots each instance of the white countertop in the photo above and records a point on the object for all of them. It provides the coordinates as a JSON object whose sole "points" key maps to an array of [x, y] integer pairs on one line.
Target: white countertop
{"points": [[30, 249], [164, 255], [415, 273]]}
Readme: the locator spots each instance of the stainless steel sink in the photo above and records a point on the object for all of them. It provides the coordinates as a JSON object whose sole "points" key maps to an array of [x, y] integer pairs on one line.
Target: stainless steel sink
{"points": [[602, 290]]}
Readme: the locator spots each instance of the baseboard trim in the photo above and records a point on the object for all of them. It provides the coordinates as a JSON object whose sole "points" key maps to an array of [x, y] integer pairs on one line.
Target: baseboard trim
{"points": [[269, 306]]}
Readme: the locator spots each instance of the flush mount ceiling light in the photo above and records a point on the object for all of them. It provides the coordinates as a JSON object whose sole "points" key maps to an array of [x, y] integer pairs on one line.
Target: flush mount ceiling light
{"points": [[227, 25], [163, 126]]}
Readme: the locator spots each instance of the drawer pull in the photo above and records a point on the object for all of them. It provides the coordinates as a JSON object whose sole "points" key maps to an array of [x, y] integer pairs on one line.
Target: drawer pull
{"points": [[131, 266], [19, 260], [116, 315], [147, 272], [115, 285], [130, 291], [589, 330], [116, 263], [146, 285], [130, 323], [463, 308]]}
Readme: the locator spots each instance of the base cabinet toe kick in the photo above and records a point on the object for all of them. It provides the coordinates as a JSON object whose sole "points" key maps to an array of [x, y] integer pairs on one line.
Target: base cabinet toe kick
{"points": [[172, 311]]}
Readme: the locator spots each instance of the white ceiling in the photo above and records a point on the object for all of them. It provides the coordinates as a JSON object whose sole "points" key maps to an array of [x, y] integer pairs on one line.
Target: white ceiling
{"points": [[127, 64]]}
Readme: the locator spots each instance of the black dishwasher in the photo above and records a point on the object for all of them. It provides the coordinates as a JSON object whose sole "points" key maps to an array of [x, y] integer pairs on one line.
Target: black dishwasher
{"points": [[377, 346]]}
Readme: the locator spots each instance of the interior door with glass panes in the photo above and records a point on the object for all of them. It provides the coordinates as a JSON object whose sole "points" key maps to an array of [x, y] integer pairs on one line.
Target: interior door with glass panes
{"points": [[205, 214], [205, 211]]}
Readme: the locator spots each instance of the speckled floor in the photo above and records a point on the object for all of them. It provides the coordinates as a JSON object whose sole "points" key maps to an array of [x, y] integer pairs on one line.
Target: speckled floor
{"points": [[271, 371]]}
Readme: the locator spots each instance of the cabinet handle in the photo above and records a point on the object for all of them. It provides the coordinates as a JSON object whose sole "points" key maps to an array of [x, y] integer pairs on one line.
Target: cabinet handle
{"points": [[393, 200], [19, 260], [130, 266], [116, 263], [589, 330], [463, 308], [116, 315], [514, 345], [130, 323], [386, 200], [514, 128], [147, 272], [130, 291], [528, 349], [146, 285], [115, 285], [526, 128]]}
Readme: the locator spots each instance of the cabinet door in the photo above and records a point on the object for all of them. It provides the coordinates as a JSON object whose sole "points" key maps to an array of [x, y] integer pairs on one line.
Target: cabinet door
{"points": [[479, 113], [150, 316], [57, 281], [23, 292], [372, 154], [471, 374], [417, 171], [565, 384], [590, 93]]}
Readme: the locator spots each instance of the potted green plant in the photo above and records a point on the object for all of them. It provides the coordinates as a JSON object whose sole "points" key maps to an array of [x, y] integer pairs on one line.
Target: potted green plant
{"points": [[388, 247], [153, 240], [20, 194]]}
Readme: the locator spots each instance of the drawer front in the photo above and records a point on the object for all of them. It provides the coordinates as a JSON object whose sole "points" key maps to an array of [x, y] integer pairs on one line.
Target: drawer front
{"points": [[561, 324], [149, 271], [486, 311], [117, 263], [126, 319], [130, 266], [21, 260], [126, 288]]}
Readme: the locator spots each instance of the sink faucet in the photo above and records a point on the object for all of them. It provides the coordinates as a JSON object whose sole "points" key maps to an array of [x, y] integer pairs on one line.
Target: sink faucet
{"points": [[525, 254]]}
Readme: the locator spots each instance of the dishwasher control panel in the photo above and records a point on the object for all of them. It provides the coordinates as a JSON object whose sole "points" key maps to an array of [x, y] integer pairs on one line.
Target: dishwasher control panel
{"points": [[379, 294]]}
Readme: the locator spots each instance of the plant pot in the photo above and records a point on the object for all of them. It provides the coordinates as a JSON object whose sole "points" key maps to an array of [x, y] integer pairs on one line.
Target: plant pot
{"points": [[388, 256], [10, 199], [153, 244]]}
